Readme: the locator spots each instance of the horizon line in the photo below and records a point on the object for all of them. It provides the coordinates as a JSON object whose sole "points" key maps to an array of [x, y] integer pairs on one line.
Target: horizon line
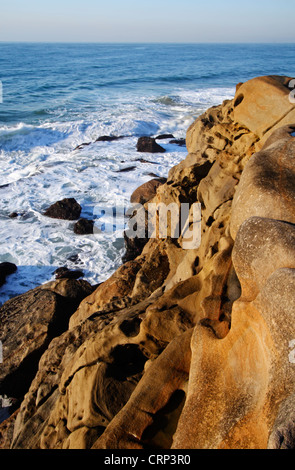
{"points": [[143, 42]]}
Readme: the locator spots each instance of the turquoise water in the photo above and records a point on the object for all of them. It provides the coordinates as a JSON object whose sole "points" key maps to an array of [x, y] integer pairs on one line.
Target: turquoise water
{"points": [[58, 96]]}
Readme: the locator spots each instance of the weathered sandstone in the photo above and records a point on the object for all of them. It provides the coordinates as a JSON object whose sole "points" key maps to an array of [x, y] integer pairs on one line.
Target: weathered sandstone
{"points": [[188, 348]]}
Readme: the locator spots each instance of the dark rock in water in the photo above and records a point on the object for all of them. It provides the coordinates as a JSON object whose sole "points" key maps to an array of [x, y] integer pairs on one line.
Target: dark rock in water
{"points": [[146, 191], [67, 209], [65, 273], [149, 144], [153, 175], [13, 215], [74, 258], [164, 136], [177, 141], [128, 168], [82, 145], [83, 227], [108, 138], [6, 269], [142, 160]]}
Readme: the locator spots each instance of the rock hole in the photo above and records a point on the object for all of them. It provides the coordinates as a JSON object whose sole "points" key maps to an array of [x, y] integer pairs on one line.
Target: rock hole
{"points": [[130, 327], [210, 221], [159, 435], [128, 360], [238, 100]]}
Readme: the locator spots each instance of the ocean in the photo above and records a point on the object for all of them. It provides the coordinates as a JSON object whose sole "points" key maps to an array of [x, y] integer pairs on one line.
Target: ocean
{"points": [[56, 97]]}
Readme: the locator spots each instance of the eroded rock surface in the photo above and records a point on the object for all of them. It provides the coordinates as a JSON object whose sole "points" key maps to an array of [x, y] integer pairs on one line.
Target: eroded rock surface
{"points": [[190, 348]]}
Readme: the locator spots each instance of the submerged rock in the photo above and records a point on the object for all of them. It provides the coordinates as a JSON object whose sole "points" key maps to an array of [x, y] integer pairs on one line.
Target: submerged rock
{"points": [[108, 138]]}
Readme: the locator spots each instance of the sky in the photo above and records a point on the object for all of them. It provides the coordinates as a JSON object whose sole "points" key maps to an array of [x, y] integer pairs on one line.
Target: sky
{"points": [[180, 21]]}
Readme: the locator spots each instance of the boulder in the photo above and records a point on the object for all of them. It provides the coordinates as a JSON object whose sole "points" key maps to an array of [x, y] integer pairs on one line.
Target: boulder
{"points": [[67, 209], [66, 273], [262, 102], [83, 227], [146, 191], [164, 136], [149, 144], [270, 174]]}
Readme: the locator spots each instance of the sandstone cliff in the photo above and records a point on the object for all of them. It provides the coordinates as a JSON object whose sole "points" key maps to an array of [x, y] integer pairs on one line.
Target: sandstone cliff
{"points": [[188, 348]]}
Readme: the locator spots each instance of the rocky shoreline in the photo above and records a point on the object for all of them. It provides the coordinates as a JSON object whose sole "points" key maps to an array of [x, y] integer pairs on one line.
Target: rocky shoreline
{"points": [[179, 348]]}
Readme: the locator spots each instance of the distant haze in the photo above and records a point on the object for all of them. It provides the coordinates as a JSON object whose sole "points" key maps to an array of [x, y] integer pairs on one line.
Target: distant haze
{"points": [[147, 21]]}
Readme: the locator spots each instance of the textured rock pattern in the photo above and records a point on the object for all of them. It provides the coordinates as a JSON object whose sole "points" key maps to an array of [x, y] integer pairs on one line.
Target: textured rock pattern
{"points": [[190, 348]]}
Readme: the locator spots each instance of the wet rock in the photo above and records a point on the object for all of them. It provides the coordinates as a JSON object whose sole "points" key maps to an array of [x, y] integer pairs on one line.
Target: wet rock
{"points": [[164, 136], [149, 144], [67, 209], [108, 138], [83, 227], [6, 269], [128, 168], [79, 147], [66, 273], [180, 142], [74, 258]]}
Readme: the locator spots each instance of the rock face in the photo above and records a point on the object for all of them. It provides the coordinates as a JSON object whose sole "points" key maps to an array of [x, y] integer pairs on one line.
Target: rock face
{"points": [[189, 347], [28, 324]]}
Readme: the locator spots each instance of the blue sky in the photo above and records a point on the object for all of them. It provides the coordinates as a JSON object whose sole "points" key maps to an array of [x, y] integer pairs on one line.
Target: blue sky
{"points": [[148, 20]]}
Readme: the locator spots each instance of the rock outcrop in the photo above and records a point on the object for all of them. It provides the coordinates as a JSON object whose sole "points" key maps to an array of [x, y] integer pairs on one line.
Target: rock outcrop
{"points": [[68, 209], [28, 324], [188, 347], [148, 144]]}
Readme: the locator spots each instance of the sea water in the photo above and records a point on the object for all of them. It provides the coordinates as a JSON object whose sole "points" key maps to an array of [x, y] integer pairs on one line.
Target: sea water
{"points": [[56, 97]]}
